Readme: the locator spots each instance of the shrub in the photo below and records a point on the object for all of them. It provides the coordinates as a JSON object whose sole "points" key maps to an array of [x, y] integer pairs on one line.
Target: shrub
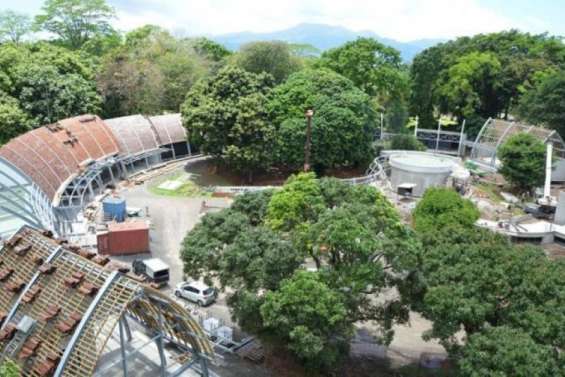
{"points": [[407, 143], [523, 161], [443, 207]]}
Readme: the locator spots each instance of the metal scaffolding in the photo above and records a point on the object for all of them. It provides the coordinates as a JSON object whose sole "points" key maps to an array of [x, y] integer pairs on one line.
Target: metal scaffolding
{"points": [[496, 131]]}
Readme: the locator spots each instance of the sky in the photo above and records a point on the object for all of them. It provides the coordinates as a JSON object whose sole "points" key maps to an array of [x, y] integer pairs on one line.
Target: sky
{"points": [[403, 20]]}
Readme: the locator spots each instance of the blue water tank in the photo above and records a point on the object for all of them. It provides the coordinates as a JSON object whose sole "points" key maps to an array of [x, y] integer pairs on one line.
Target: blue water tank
{"points": [[114, 208]]}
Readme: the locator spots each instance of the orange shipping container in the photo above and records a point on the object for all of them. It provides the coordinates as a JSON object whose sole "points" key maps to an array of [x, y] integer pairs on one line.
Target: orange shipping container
{"points": [[124, 238]]}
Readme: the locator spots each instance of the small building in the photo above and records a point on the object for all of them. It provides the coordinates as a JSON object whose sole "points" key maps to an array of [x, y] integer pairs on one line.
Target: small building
{"points": [[126, 238]]}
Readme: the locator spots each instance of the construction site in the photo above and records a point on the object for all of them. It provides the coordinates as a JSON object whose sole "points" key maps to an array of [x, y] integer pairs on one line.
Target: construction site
{"points": [[92, 282]]}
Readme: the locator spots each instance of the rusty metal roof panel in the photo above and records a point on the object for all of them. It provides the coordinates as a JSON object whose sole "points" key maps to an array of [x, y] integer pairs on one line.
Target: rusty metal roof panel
{"points": [[134, 133], [169, 128], [52, 154]]}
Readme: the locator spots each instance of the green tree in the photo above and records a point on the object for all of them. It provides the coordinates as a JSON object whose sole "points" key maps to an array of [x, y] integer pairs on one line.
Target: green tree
{"points": [[150, 73], [75, 21], [256, 250], [14, 26], [272, 57], [342, 127], [254, 205], [520, 56], [469, 85], [48, 96], [523, 161], [210, 49], [442, 207], [298, 202], [406, 142], [370, 65], [543, 104], [226, 113], [13, 121], [310, 317], [203, 246], [9, 369], [49, 82], [505, 352]]}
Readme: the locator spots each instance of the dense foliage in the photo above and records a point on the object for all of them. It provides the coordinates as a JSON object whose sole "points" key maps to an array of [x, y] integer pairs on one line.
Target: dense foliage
{"points": [[442, 207], [503, 351], [9, 369], [226, 115], [407, 143], [272, 57], [151, 72], [75, 22], [258, 250], [342, 127], [497, 297], [370, 65], [523, 160], [481, 76], [48, 82], [543, 103]]}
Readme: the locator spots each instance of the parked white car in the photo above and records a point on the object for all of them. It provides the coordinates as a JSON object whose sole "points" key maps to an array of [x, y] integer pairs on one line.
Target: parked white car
{"points": [[197, 292]]}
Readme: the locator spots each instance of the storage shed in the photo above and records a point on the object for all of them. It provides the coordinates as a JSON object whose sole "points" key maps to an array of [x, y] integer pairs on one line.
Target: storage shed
{"points": [[126, 238]]}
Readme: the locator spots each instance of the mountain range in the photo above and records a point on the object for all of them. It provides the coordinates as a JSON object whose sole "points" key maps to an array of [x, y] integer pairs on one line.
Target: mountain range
{"points": [[323, 37]]}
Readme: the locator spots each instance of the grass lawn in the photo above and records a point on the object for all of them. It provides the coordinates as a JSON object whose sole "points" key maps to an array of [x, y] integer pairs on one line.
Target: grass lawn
{"points": [[176, 184]]}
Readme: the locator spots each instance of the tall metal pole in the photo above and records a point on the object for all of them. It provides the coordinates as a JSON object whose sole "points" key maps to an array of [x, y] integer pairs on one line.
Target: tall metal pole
{"points": [[309, 114], [416, 127]]}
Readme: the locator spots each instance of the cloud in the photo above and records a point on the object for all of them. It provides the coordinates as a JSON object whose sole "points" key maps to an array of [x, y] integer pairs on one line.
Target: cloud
{"points": [[399, 19]]}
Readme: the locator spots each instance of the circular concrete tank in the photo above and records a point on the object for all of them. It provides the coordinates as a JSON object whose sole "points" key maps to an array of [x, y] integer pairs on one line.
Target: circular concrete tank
{"points": [[421, 169]]}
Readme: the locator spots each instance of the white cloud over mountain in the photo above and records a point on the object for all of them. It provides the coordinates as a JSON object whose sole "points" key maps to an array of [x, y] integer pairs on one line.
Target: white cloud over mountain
{"points": [[399, 19]]}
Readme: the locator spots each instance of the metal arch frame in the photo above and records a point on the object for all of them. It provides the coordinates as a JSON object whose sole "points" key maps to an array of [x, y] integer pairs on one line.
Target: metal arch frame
{"points": [[78, 332], [480, 135], [40, 207], [84, 182]]}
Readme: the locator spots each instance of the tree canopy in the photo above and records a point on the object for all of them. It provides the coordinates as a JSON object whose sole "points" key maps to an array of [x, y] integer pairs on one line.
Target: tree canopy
{"points": [[9, 369], [442, 207], [370, 65], [475, 285], [226, 116], [49, 83], [523, 161], [481, 76], [272, 57], [259, 249], [75, 21], [149, 73], [343, 123], [543, 103], [14, 26], [505, 352]]}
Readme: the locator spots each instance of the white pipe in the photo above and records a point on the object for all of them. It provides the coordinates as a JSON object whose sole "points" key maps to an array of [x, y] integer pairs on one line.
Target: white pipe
{"points": [[548, 158]]}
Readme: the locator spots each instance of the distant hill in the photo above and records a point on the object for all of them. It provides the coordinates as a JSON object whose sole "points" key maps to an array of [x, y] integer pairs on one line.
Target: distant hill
{"points": [[323, 37]]}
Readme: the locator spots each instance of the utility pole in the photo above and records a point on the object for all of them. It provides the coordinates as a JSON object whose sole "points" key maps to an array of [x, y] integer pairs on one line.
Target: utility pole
{"points": [[309, 114]]}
